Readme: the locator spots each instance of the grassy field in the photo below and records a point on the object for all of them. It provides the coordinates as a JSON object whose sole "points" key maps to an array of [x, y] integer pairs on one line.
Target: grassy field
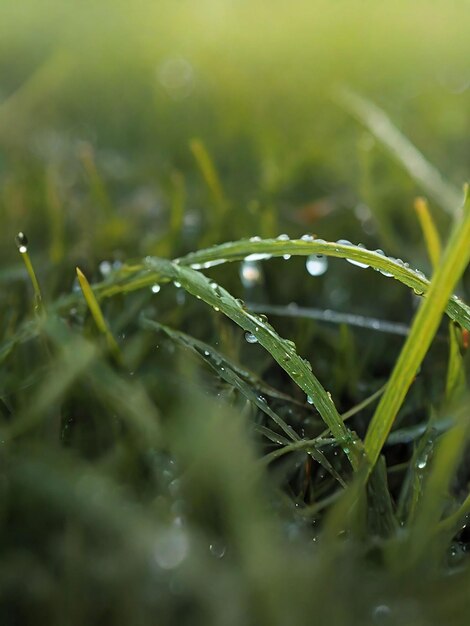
{"points": [[234, 364]]}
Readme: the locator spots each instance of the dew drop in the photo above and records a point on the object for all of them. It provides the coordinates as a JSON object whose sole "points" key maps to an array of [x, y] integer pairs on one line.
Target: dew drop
{"points": [[217, 549], [22, 242], [309, 399], [316, 264], [286, 257], [177, 284], [283, 237], [105, 268], [155, 288], [171, 548], [383, 272], [381, 613], [250, 338], [258, 256], [250, 274], [307, 237]]}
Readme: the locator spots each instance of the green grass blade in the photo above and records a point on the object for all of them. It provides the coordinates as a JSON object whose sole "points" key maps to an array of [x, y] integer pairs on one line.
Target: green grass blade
{"points": [[448, 454], [455, 382], [381, 126], [224, 369], [209, 173], [430, 232], [265, 249], [282, 350], [97, 314], [422, 332]]}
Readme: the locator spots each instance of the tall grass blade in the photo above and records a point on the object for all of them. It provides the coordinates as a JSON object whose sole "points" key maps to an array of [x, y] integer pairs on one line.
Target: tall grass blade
{"points": [[430, 232], [425, 324], [97, 315], [381, 126], [282, 350]]}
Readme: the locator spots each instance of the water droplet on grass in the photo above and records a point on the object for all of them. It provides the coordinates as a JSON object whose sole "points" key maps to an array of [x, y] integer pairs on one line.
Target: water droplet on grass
{"points": [[250, 338], [346, 242], [171, 548], [258, 256], [381, 613], [22, 242], [283, 237], [316, 264], [155, 288], [105, 268], [217, 549]]}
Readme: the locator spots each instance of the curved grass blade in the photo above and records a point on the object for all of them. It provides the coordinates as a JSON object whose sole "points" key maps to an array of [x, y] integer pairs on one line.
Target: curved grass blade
{"points": [[381, 126], [424, 327], [282, 350], [265, 249], [223, 367]]}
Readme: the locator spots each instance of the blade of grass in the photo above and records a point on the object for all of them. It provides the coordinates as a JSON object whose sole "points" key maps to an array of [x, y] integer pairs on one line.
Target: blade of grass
{"points": [[265, 249], [430, 233], [333, 317], [97, 187], [222, 366], [282, 350], [424, 327], [22, 243], [455, 383], [209, 173], [381, 126], [448, 454], [137, 276], [98, 316]]}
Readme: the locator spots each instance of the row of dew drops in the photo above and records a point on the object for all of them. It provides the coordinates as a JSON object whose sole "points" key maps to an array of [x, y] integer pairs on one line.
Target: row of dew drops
{"points": [[316, 264]]}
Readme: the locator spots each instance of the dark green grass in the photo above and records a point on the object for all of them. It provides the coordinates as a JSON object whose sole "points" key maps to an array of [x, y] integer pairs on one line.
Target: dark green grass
{"points": [[168, 454]]}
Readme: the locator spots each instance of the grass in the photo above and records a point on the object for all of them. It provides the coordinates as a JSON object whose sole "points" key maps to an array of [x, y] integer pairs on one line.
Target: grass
{"points": [[168, 454]]}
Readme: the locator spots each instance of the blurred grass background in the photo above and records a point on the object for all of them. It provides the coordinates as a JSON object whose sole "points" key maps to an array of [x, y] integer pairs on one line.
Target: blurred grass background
{"points": [[153, 507]]}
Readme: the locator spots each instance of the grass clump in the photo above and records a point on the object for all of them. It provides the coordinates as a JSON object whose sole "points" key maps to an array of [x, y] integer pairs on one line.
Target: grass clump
{"points": [[168, 454]]}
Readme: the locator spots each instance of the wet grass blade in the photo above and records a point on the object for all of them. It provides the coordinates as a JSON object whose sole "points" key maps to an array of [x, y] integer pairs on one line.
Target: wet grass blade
{"points": [[22, 243], [282, 350], [447, 456], [224, 369], [424, 327], [265, 249]]}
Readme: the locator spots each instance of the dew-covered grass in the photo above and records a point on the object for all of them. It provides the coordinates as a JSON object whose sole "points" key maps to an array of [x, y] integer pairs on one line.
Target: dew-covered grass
{"points": [[234, 313]]}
